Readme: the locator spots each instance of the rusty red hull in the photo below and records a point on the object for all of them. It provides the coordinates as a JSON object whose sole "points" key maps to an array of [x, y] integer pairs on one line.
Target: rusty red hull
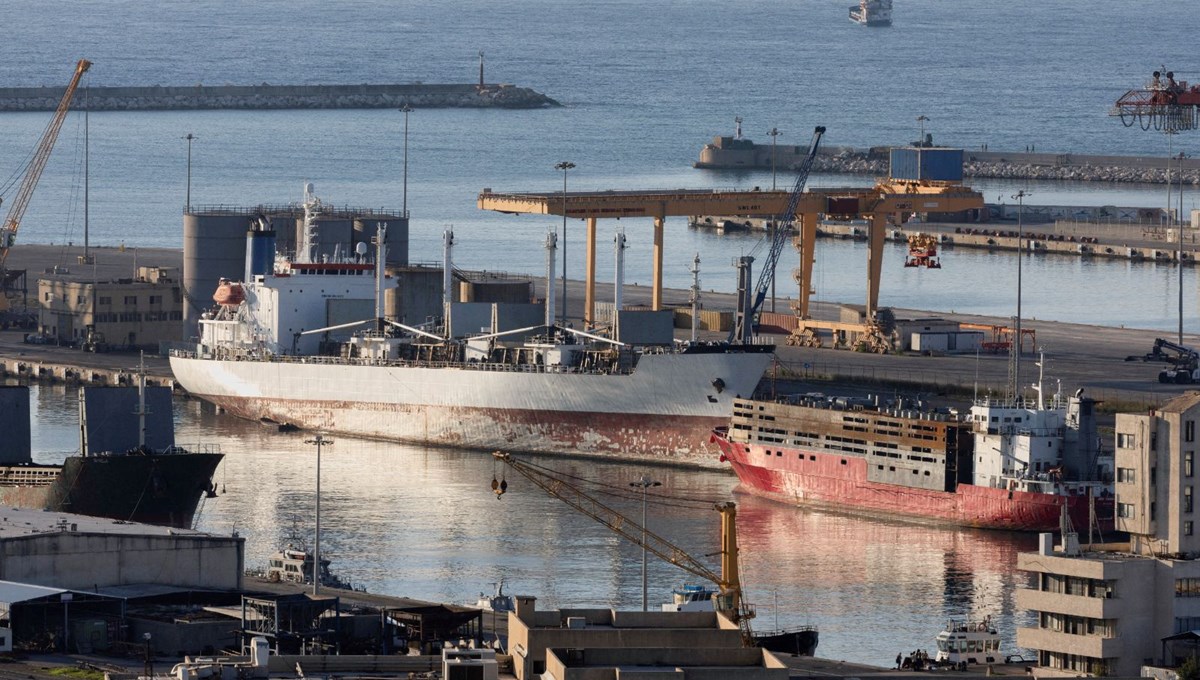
{"points": [[839, 483]]}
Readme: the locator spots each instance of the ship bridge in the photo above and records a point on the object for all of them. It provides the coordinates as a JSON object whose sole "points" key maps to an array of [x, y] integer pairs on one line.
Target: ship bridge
{"points": [[898, 199]]}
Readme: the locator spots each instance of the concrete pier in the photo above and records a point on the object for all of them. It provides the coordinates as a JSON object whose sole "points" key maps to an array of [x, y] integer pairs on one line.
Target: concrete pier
{"points": [[417, 95]]}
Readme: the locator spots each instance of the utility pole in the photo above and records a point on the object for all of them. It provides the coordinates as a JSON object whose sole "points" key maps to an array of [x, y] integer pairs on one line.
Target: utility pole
{"points": [[774, 132], [1015, 365], [319, 441], [187, 204], [406, 109], [644, 483]]}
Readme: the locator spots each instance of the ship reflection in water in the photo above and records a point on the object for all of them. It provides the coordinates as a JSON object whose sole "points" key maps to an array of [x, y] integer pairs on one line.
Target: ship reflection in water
{"points": [[423, 522]]}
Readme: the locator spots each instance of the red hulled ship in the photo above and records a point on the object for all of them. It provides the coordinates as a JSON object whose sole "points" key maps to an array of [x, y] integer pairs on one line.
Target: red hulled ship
{"points": [[1012, 465]]}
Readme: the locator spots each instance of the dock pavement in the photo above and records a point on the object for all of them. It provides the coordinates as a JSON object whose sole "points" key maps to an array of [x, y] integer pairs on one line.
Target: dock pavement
{"points": [[1077, 355]]}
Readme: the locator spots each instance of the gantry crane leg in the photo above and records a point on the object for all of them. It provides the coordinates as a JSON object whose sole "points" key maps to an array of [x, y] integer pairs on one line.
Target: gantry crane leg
{"points": [[589, 295], [806, 243], [656, 299], [875, 233]]}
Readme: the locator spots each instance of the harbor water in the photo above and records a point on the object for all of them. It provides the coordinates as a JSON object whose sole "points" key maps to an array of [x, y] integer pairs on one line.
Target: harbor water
{"points": [[424, 523], [643, 88]]}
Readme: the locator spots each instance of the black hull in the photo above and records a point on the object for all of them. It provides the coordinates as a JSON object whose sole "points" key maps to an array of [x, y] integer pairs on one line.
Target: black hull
{"points": [[801, 642], [163, 489]]}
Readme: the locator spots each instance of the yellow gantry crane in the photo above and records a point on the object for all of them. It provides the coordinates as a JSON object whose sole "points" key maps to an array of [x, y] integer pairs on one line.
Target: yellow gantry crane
{"points": [[728, 600], [41, 154]]}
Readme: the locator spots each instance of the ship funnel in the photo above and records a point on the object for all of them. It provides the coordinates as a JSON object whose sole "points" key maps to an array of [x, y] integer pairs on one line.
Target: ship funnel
{"points": [[260, 248]]}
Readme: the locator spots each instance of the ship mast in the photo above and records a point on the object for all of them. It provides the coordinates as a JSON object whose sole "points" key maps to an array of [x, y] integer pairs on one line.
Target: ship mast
{"points": [[619, 282], [551, 247], [141, 406], [380, 259]]}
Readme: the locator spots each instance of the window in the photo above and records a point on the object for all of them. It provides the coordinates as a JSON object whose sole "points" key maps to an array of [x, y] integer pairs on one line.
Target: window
{"points": [[105, 300], [1187, 528], [1187, 463], [1187, 499], [1189, 431], [131, 299], [156, 299], [1125, 475], [1125, 441], [1125, 510]]}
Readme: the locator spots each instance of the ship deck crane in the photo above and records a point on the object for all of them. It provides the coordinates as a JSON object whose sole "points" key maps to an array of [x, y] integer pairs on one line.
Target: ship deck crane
{"points": [[728, 600], [784, 221], [41, 154]]}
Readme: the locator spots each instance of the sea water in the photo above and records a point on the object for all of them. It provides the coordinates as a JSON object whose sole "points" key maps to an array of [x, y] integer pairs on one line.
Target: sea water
{"points": [[643, 88]]}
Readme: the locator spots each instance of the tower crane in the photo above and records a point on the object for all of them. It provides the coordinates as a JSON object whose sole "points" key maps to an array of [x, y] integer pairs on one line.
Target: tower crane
{"points": [[41, 154], [728, 600], [779, 238]]}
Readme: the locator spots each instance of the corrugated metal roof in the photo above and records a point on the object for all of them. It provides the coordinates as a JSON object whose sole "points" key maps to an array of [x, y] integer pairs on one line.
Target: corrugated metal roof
{"points": [[12, 592]]}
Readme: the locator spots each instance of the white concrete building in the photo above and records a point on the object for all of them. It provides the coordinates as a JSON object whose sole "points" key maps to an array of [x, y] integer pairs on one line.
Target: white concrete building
{"points": [[1106, 610]]}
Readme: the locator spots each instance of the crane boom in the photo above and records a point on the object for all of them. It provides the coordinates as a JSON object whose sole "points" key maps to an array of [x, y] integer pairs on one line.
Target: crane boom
{"points": [[12, 222], [779, 237], [729, 600]]}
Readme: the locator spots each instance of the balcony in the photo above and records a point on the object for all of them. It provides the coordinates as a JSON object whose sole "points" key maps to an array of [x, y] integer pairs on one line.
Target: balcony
{"points": [[1092, 646], [1073, 605]]}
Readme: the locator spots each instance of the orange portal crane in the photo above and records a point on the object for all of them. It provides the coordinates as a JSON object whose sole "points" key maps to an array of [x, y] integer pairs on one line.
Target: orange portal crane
{"points": [[8, 232], [728, 600]]}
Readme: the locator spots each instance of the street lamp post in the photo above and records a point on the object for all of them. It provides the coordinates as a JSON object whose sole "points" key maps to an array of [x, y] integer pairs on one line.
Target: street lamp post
{"points": [[644, 483], [406, 109], [188, 196], [1016, 386], [564, 166], [1179, 240], [319, 441], [774, 132]]}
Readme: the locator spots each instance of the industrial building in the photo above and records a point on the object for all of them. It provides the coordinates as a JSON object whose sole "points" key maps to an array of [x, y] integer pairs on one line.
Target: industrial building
{"points": [[125, 313], [69, 581], [609, 635], [1110, 609]]}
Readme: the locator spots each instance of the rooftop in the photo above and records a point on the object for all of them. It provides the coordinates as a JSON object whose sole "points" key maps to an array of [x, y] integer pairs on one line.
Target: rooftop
{"points": [[20, 522]]}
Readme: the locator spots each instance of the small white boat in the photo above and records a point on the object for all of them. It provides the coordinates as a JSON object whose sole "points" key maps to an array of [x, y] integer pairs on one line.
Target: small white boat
{"points": [[872, 13], [970, 642], [499, 602]]}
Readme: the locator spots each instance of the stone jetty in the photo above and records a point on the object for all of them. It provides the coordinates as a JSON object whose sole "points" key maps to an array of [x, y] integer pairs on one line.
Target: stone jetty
{"points": [[264, 96], [1030, 166]]}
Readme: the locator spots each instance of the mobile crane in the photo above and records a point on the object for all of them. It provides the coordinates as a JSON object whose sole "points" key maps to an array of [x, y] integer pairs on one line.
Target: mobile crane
{"points": [[1185, 362], [728, 599], [779, 238], [41, 154]]}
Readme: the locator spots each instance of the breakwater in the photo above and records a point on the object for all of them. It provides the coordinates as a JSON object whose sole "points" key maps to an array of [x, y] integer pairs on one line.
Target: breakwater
{"points": [[157, 98], [727, 153], [1032, 166]]}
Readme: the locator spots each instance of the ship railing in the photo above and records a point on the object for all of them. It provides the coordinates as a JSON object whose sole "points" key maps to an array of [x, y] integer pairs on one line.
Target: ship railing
{"points": [[414, 363], [1011, 429], [197, 448]]}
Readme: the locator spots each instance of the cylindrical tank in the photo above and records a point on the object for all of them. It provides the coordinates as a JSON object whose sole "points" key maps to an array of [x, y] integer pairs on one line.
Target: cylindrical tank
{"points": [[260, 253], [214, 247], [397, 236]]}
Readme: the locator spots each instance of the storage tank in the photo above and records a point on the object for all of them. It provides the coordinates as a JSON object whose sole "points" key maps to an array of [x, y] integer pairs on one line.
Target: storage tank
{"points": [[365, 229], [214, 247], [926, 164]]}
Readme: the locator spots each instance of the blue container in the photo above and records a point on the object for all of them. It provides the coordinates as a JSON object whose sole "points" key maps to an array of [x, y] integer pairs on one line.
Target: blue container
{"points": [[938, 165]]}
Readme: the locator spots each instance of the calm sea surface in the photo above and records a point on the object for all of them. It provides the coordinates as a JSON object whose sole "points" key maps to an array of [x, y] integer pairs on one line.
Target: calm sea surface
{"points": [[643, 87], [424, 523]]}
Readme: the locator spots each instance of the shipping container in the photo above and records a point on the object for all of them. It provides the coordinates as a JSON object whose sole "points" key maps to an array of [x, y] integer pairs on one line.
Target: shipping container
{"points": [[938, 165], [842, 206]]}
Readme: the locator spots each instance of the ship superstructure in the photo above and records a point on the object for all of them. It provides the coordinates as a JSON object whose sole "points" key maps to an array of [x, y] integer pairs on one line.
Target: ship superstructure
{"points": [[308, 344]]}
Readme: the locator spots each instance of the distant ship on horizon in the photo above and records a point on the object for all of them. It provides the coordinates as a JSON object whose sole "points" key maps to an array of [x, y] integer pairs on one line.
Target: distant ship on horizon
{"points": [[872, 13]]}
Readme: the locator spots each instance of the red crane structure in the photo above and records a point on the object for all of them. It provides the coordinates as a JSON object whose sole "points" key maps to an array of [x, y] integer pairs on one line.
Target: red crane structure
{"points": [[1164, 104]]}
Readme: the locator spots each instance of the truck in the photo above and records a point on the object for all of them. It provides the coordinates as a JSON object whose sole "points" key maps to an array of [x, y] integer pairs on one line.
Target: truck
{"points": [[1184, 362]]}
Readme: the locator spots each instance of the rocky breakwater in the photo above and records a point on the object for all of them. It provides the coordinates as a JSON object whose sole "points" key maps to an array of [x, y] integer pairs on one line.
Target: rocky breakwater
{"points": [[417, 96], [1035, 166]]}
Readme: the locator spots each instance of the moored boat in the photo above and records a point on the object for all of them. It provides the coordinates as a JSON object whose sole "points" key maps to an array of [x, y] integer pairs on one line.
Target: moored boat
{"points": [[1008, 465], [968, 642], [117, 474], [275, 352], [801, 640]]}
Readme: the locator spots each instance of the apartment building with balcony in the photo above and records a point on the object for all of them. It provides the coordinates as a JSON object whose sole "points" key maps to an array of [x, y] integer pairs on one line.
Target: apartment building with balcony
{"points": [[1106, 609]]}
